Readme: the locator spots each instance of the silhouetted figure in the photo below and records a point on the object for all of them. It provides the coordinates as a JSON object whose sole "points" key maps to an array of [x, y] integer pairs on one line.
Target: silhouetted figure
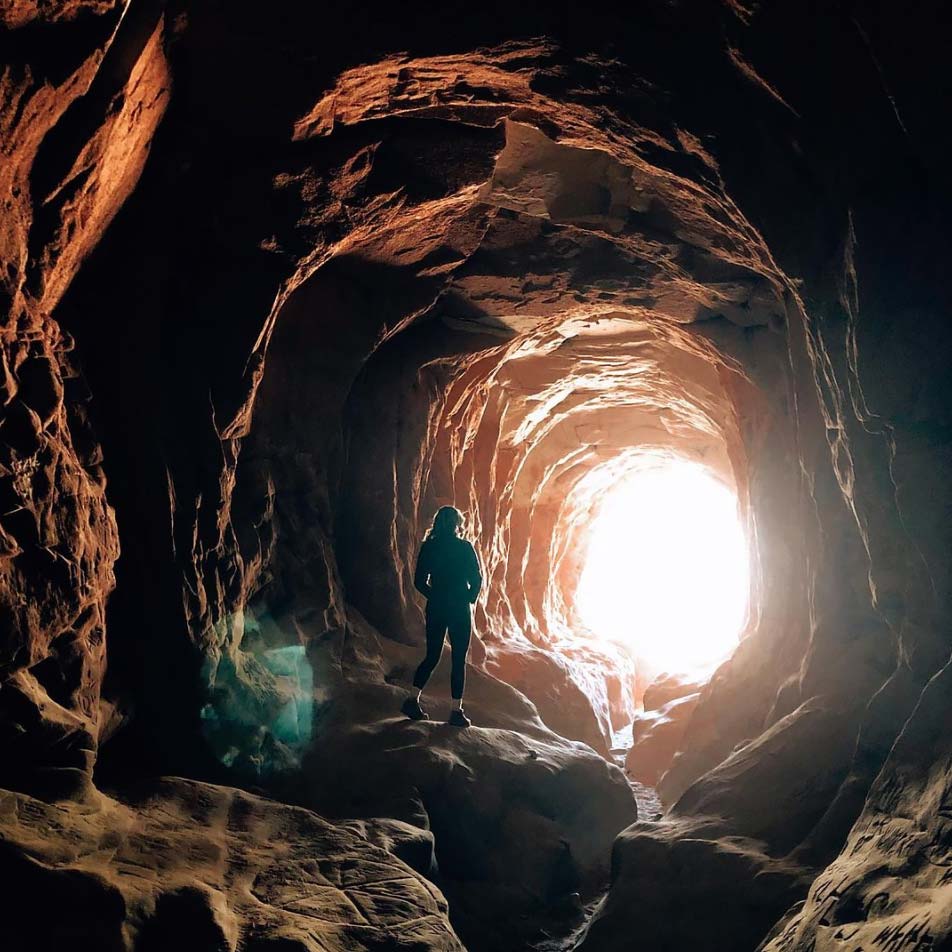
{"points": [[447, 574]]}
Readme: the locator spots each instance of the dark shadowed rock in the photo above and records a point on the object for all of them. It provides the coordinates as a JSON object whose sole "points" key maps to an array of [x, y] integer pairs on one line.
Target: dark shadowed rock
{"points": [[888, 884], [682, 885], [521, 818]]}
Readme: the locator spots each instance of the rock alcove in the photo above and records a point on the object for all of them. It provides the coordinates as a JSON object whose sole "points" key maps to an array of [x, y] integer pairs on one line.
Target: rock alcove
{"points": [[278, 284]]}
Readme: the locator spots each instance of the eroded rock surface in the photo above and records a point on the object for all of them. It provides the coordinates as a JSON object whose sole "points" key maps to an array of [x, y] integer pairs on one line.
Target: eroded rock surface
{"points": [[521, 818], [76, 132], [195, 866], [577, 699], [891, 883], [688, 885]]}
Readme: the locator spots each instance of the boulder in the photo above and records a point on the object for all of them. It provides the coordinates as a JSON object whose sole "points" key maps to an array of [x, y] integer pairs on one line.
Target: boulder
{"points": [[551, 682], [679, 885], [724, 850], [522, 818], [204, 868], [776, 787]]}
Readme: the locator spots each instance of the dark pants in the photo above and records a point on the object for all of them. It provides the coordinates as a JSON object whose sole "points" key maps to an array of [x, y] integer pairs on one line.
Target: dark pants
{"points": [[458, 619]]}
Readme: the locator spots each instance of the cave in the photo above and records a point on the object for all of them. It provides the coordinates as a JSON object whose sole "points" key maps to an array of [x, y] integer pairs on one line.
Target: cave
{"points": [[656, 297]]}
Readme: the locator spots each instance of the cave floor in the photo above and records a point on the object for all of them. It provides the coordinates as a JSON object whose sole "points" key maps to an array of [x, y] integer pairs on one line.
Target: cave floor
{"points": [[649, 808], [649, 805]]}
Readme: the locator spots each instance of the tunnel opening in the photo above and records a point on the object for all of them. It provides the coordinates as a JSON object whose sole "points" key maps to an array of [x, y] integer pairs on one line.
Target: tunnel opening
{"points": [[666, 567], [529, 434]]}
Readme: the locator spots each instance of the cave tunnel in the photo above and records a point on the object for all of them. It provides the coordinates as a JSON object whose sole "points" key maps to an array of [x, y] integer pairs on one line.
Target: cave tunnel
{"points": [[661, 310]]}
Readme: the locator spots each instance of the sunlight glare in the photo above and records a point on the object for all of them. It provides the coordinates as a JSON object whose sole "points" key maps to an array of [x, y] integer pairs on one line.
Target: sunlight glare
{"points": [[667, 569]]}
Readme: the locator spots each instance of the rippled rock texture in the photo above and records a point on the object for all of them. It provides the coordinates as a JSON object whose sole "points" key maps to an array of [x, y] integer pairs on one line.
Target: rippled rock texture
{"points": [[77, 125], [277, 283], [195, 866]]}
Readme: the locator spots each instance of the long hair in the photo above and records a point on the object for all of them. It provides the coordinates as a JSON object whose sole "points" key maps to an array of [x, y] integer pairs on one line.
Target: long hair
{"points": [[448, 521]]}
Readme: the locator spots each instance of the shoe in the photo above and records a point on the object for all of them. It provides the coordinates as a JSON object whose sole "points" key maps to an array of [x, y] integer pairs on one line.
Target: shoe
{"points": [[411, 707], [459, 719]]}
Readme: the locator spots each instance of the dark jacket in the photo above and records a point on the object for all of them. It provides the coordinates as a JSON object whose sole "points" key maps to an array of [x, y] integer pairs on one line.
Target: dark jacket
{"points": [[447, 571]]}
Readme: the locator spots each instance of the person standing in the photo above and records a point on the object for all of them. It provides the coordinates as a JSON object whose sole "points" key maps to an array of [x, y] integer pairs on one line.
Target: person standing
{"points": [[447, 575]]}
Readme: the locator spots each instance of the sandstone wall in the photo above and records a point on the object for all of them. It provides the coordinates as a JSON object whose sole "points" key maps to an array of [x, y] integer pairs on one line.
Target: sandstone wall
{"points": [[78, 123]]}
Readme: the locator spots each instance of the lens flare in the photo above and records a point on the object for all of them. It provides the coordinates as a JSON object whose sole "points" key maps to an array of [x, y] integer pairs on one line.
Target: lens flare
{"points": [[666, 571]]}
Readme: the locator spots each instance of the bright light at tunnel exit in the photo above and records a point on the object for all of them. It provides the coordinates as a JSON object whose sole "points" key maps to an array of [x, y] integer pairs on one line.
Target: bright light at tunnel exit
{"points": [[667, 569]]}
